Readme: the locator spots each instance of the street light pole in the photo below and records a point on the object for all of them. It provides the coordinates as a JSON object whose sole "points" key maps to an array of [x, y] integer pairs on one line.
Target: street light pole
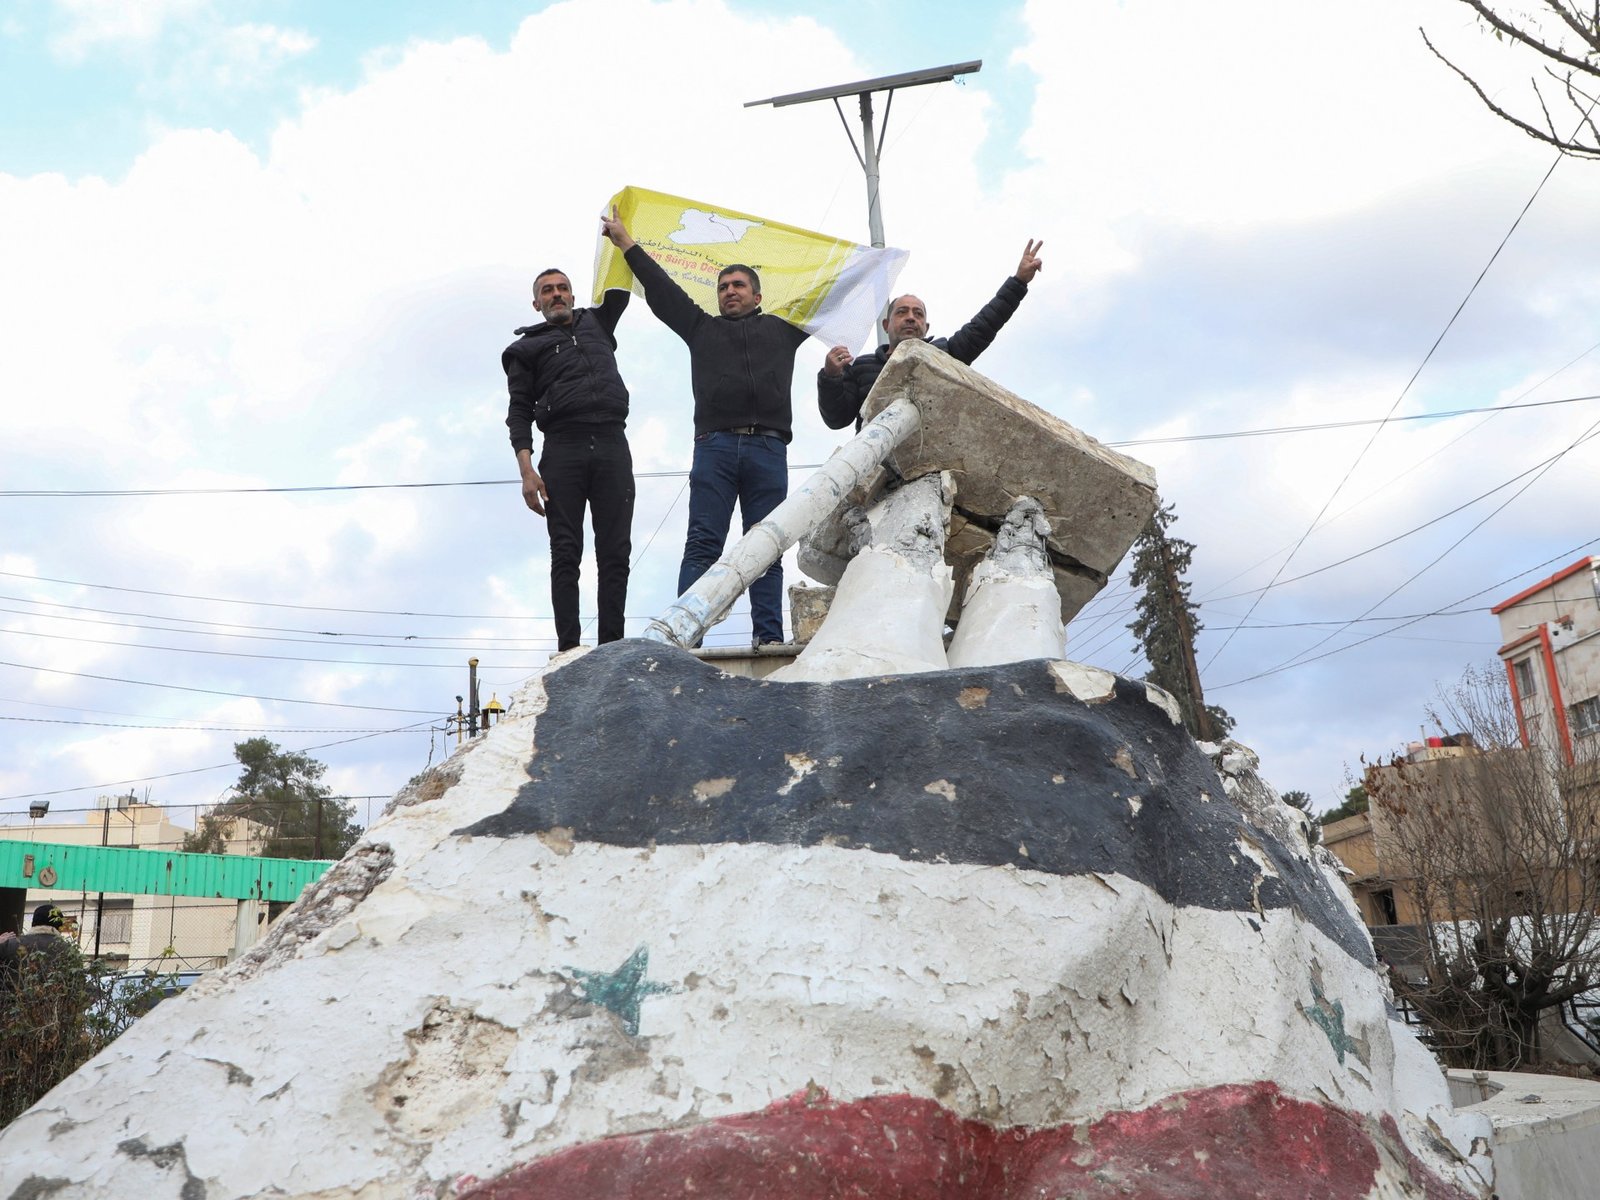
{"points": [[871, 149], [869, 164]]}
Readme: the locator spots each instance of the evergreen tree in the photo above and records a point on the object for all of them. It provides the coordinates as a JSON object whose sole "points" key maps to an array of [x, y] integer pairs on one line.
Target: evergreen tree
{"points": [[1300, 800], [1355, 801], [279, 791], [1166, 624]]}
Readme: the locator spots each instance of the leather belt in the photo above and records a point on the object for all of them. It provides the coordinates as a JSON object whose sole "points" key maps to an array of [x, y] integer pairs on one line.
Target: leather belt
{"points": [[754, 431]]}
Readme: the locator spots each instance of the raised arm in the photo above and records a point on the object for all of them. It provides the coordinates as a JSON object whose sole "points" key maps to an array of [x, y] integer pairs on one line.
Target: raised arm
{"points": [[973, 338], [612, 305], [669, 302]]}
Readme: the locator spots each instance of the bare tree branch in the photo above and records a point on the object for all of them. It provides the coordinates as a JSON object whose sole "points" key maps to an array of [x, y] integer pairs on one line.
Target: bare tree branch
{"points": [[1559, 64], [1492, 856], [1590, 33], [1518, 34], [1549, 137]]}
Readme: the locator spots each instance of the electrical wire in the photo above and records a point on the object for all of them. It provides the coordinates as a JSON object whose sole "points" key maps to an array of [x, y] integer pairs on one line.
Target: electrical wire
{"points": [[1426, 358], [1448, 610], [183, 728], [178, 687], [1539, 467], [291, 658], [1549, 465], [416, 727], [1126, 443]]}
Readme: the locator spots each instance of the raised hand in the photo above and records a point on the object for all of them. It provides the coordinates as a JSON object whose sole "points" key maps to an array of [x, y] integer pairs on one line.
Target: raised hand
{"points": [[614, 229], [1031, 263]]}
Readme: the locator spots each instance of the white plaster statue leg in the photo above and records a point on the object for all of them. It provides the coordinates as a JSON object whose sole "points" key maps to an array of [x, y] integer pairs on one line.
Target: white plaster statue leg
{"points": [[1012, 611], [888, 615]]}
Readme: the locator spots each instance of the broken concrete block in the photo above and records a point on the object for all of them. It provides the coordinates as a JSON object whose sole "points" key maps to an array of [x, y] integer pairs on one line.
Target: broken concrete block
{"points": [[808, 608], [999, 447]]}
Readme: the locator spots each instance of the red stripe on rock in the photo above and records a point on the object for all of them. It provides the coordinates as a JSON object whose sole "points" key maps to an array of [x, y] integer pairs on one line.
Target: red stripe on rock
{"points": [[1242, 1142]]}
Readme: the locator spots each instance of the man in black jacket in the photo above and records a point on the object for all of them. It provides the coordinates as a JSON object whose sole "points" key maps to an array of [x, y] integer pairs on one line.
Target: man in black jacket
{"points": [[741, 369], [562, 376], [843, 382]]}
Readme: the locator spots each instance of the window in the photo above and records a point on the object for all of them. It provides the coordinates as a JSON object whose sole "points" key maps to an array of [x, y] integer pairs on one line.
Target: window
{"points": [[116, 923], [1523, 669], [1585, 715], [1383, 901]]}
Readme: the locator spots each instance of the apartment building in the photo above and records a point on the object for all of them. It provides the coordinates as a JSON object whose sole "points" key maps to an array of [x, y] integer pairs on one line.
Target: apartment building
{"points": [[1549, 645]]}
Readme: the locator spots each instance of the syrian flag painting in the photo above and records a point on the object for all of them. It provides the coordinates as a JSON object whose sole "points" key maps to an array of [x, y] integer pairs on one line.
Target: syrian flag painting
{"points": [[998, 933]]}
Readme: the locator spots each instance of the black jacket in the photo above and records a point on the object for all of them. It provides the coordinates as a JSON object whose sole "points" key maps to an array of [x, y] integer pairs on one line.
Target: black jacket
{"points": [[840, 398], [563, 377], [741, 369]]}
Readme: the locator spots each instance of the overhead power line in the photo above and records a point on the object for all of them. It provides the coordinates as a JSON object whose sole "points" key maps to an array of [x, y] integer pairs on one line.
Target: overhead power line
{"points": [[317, 636], [182, 728], [288, 658], [178, 687], [1128, 443], [1426, 358], [1449, 610], [1545, 467], [1536, 470], [416, 727]]}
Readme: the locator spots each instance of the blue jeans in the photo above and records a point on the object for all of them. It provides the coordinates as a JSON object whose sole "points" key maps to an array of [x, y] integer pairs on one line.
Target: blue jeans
{"points": [[754, 470]]}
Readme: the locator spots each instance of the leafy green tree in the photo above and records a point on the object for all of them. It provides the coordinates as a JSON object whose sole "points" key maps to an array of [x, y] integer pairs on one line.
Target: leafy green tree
{"points": [[279, 792], [1300, 800], [1166, 624]]}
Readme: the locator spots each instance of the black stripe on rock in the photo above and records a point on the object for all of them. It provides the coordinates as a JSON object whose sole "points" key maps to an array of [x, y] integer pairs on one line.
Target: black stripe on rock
{"points": [[643, 744]]}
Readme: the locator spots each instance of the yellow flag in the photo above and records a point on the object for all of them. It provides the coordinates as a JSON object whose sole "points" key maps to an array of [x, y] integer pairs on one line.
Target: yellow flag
{"points": [[832, 289]]}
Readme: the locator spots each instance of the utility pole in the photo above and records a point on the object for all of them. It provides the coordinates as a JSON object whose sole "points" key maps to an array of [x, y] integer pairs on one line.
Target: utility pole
{"points": [[870, 151], [100, 902]]}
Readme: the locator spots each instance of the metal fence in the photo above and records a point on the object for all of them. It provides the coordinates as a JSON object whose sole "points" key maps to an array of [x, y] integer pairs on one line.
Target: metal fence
{"points": [[137, 932], [164, 934]]}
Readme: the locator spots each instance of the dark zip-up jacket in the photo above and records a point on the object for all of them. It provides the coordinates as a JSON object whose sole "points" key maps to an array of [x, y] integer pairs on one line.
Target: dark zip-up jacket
{"points": [[840, 398], [741, 369], [565, 377]]}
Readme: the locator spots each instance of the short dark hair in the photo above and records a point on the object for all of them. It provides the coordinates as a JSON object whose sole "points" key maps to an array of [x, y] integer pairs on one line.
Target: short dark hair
{"points": [[549, 271], [49, 914], [755, 280]]}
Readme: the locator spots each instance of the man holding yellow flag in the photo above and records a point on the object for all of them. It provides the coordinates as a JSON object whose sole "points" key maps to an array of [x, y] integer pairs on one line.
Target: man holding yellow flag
{"points": [[741, 364], [562, 375]]}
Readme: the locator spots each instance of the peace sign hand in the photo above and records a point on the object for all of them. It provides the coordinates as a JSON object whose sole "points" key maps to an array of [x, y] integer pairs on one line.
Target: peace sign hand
{"points": [[1031, 263]]}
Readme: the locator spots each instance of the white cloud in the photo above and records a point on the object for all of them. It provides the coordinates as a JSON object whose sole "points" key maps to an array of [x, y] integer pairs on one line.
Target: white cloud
{"points": [[1255, 214], [90, 24]]}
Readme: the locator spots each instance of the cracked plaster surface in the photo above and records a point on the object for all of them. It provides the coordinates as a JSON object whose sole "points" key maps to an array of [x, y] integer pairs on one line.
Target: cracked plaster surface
{"points": [[441, 968]]}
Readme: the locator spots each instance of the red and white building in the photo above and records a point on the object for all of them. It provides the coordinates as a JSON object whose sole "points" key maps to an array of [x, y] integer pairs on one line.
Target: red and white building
{"points": [[1551, 649]]}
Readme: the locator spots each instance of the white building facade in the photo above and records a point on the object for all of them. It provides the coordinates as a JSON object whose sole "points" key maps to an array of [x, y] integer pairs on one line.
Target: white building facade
{"points": [[1551, 649], [161, 932]]}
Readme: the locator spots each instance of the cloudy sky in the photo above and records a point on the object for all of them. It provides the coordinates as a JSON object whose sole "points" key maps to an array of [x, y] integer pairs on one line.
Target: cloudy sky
{"points": [[260, 257]]}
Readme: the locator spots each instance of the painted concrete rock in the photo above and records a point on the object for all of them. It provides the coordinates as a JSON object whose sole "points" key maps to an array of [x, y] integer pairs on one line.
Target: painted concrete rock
{"points": [[994, 933]]}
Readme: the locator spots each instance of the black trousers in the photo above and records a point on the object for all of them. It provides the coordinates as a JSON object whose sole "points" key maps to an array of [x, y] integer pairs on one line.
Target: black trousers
{"points": [[592, 468]]}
